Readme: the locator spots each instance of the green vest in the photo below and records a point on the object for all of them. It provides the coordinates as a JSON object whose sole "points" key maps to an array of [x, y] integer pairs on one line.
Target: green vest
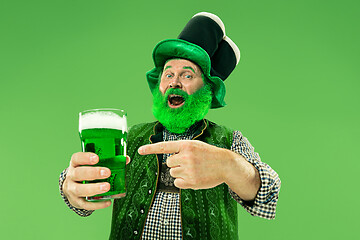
{"points": [[205, 214]]}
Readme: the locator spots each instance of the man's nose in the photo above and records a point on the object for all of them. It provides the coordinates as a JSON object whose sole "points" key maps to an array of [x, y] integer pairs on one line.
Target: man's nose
{"points": [[175, 83]]}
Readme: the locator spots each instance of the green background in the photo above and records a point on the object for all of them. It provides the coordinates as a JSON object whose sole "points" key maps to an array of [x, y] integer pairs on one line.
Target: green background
{"points": [[294, 95]]}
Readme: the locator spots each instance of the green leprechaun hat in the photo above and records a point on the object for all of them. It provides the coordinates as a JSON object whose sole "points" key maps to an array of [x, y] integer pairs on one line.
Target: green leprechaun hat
{"points": [[202, 41]]}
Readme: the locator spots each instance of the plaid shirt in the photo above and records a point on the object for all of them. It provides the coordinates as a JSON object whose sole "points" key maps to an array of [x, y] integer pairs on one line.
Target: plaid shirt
{"points": [[164, 216]]}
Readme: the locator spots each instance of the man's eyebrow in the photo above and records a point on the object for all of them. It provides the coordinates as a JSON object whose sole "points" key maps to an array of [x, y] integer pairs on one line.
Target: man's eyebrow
{"points": [[167, 67], [189, 68]]}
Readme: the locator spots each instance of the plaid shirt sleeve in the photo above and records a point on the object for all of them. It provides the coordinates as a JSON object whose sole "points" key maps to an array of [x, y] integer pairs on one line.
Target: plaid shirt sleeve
{"points": [[80, 212], [264, 204]]}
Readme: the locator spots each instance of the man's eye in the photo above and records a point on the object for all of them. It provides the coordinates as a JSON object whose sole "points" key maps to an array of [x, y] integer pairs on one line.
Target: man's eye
{"points": [[188, 76], [168, 75]]}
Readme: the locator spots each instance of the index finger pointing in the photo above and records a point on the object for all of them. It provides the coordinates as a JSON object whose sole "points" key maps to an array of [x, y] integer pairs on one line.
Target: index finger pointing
{"points": [[161, 147]]}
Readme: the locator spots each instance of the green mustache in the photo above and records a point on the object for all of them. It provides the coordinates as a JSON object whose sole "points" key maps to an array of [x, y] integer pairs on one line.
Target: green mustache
{"points": [[176, 91]]}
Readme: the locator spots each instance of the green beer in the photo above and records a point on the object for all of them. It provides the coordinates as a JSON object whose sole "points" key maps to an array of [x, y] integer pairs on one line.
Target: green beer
{"points": [[104, 132]]}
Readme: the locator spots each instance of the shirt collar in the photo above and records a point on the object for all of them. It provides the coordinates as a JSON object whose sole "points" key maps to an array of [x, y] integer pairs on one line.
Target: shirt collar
{"points": [[196, 130]]}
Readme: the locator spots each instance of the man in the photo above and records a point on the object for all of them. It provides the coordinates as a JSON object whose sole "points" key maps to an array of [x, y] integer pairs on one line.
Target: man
{"points": [[186, 174]]}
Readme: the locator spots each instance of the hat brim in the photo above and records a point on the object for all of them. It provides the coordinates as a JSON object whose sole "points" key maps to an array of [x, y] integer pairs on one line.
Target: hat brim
{"points": [[178, 48]]}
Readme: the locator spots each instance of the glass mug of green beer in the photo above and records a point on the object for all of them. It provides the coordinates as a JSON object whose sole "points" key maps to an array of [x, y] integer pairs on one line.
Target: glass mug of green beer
{"points": [[104, 132]]}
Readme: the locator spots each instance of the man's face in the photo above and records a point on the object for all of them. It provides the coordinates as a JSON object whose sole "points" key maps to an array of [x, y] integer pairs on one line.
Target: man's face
{"points": [[182, 97], [181, 74]]}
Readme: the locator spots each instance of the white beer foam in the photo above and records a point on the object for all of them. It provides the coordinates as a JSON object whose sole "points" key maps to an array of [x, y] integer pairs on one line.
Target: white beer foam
{"points": [[102, 120]]}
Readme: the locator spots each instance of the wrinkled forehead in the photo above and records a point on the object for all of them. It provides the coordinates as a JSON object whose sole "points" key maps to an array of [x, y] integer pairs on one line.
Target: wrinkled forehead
{"points": [[184, 62]]}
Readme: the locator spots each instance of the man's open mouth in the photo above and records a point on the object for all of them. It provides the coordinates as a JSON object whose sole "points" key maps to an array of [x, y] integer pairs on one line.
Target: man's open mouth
{"points": [[175, 101]]}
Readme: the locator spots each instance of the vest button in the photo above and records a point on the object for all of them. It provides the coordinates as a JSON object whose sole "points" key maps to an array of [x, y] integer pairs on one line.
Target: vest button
{"points": [[142, 211], [150, 191], [135, 232]]}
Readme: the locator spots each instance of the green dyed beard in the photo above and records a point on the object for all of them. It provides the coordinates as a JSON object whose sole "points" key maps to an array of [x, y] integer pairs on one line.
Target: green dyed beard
{"points": [[177, 120]]}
